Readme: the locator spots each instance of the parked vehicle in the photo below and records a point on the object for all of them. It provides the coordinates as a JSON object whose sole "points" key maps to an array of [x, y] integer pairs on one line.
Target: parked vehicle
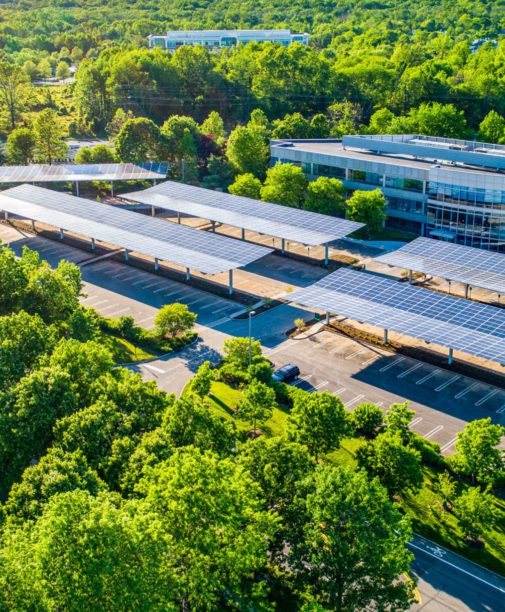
{"points": [[287, 373]]}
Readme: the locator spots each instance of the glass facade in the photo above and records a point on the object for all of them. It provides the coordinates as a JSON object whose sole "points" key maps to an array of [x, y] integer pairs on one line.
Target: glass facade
{"points": [[406, 184], [404, 205]]}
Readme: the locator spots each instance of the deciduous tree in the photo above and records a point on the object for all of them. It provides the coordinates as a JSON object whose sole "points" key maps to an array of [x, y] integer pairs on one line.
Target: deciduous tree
{"points": [[246, 185], [174, 319], [368, 207], [284, 184], [257, 403]]}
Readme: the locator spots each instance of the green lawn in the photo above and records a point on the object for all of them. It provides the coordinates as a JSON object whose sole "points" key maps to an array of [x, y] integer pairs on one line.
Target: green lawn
{"points": [[124, 351], [422, 507]]}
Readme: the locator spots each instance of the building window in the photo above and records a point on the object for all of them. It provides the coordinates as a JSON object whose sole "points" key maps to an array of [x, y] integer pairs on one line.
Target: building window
{"points": [[398, 182], [331, 171]]}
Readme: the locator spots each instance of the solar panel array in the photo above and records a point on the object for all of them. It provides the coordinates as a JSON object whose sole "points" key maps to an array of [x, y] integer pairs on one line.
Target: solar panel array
{"points": [[83, 172], [273, 219], [476, 329], [184, 246], [485, 269]]}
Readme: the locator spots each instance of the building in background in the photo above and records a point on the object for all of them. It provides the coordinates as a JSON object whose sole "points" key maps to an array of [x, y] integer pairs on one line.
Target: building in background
{"points": [[437, 187], [216, 39]]}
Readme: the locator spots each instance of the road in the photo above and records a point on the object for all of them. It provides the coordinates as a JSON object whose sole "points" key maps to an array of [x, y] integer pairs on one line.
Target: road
{"points": [[444, 401]]}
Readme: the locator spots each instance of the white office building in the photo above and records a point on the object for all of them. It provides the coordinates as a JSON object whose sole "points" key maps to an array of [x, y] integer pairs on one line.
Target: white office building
{"points": [[217, 39], [437, 187]]}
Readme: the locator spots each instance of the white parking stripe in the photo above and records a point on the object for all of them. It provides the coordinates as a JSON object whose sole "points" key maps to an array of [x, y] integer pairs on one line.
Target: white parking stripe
{"points": [[321, 385], [415, 421], [465, 391], [501, 409], [145, 320], [449, 382], [354, 400], [154, 368], [98, 303], [163, 288], [119, 312], [109, 307], [486, 397], [339, 391], [448, 445], [364, 363], [355, 354], [392, 364], [435, 430], [428, 376], [415, 367]]}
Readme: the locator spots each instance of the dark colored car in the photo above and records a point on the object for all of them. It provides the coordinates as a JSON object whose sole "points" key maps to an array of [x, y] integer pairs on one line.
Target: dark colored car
{"points": [[287, 373]]}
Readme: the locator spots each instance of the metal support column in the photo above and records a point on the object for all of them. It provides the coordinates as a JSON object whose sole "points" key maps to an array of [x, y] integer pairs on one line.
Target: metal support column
{"points": [[283, 246], [188, 275], [410, 277], [6, 215], [112, 188], [77, 188], [33, 225], [61, 234], [449, 359], [466, 290], [93, 244], [213, 223], [126, 254], [386, 336], [156, 264], [178, 217], [243, 234], [327, 320], [326, 254], [230, 282], [153, 211]]}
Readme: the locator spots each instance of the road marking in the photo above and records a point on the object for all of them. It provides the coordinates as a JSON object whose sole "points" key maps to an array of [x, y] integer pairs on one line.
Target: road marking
{"points": [[354, 400], [162, 285], [142, 280], [449, 382], [415, 367], [218, 322], [109, 307], [98, 303], [339, 391], [435, 430], [486, 397], [154, 368], [427, 377], [355, 354], [321, 385], [448, 445], [163, 288], [465, 391], [146, 319], [392, 364], [440, 558], [121, 311], [415, 421], [364, 363], [501, 409]]}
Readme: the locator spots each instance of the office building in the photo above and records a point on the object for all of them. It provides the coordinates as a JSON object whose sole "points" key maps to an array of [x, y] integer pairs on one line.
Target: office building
{"points": [[442, 188], [217, 39]]}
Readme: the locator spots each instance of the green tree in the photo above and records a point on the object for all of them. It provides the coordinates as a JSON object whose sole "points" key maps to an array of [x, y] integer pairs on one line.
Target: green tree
{"points": [[475, 510], [56, 472], [62, 71], [214, 126], [21, 146], [139, 140], [345, 118], [13, 282], [380, 121], [202, 382], [368, 207], [292, 126], [211, 512], [353, 552], [257, 404], [182, 136], [49, 137], [319, 421], [14, 91], [326, 196], [219, 173], [247, 150], [398, 419], [285, 184], [477, 453], [446, 488], [86, 552], [190, 423], [397, 466], [367, 418], [101, 154], [246, 185], [492, 128], [437, 119], [174, 319], [236, 351]]}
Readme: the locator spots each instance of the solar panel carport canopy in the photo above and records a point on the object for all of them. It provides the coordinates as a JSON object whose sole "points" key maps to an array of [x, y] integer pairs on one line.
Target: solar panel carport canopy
{"points": [[272, 219], [470, 327], [82, 172], [468, 265], [184, 246]]}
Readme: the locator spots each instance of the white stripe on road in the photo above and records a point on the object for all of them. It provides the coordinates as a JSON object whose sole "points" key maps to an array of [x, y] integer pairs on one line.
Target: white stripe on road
{"points": [[364, 363], [501, 409], [428, 376], [435, 430], [415, 367], [146, 319], [393, 363], [98, 303], [154, 368], [354, 400], [415, 421], [465, 391], [321, 385], [427, 552], [109, 307], [486, 397], [339, 391], [448, 445], [449, 382], [355, 354]]}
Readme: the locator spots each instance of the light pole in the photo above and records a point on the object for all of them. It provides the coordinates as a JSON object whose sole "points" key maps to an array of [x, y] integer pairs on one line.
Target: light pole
{"points": [[251, 314]]}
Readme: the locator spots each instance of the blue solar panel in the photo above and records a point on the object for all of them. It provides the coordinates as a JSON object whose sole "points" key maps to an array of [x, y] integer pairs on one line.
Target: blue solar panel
{"points": [[477, 329]]}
